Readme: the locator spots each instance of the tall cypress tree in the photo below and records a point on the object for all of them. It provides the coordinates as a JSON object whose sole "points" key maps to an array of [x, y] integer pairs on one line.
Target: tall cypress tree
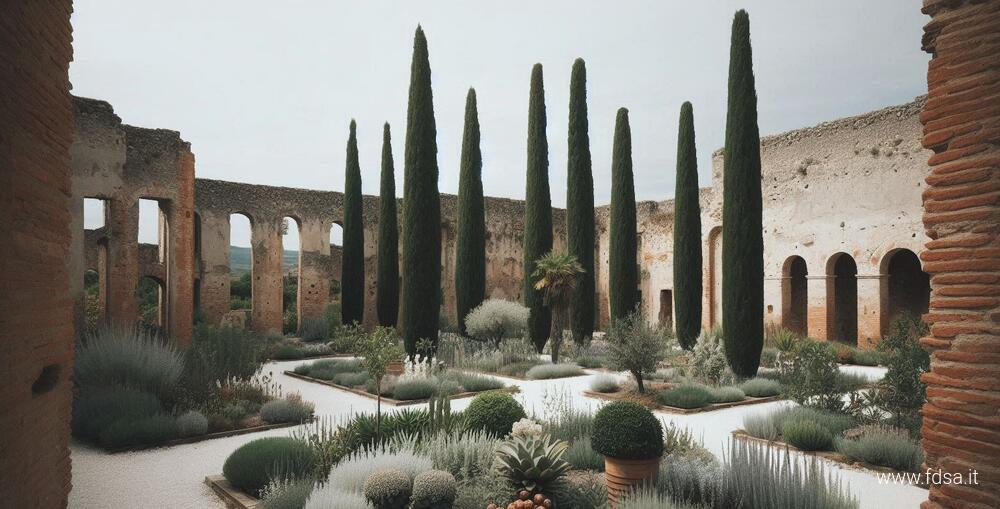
{"points": [[352, 271], [623, 277], [470, 246], [387, 290], [421, 299], [537, 210], [687, 235], [742, 240], [580, 203]]}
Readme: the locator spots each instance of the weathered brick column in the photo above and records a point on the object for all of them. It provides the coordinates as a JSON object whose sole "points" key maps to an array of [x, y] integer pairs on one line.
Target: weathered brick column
{"points": [[36, 309], [314, 269], [265, 239], [962, 216]]}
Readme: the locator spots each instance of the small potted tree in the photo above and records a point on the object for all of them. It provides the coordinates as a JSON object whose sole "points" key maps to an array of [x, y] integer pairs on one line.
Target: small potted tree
{"points": [[379, 349], [631, 439]]}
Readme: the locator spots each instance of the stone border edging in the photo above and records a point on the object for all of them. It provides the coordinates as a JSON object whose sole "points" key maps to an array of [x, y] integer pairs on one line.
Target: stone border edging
{"points": [[686, 411], [230, 495], [208, 436], [386, 399]]}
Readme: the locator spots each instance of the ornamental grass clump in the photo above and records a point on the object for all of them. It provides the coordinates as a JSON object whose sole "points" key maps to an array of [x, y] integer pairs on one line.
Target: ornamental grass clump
{"points": [[119, 355], [686, 396], [627, 430]]}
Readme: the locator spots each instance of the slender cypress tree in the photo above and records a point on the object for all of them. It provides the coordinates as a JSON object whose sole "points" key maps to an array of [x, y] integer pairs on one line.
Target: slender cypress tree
{"points": [[387, 290], [742, 240], [470, 246], [537, 211], [421, 299], [687, 235], [623, 273], [352, 290], [580, 203]]}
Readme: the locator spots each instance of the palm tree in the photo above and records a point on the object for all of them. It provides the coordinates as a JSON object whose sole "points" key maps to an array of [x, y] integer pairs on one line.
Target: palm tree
{"points": [[556, 276]]}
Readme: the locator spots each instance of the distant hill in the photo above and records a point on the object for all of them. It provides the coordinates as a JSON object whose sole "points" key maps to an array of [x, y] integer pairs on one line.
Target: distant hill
{"points": [[239, 259]]}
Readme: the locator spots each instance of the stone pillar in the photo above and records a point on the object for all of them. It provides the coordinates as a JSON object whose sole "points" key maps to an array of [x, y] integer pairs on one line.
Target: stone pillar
{"points": [[961, 120], [123, 259], [817, 308], [36, 308], [215, 276], [870, 309], [314, 274], [179, 237], [267, 296]]}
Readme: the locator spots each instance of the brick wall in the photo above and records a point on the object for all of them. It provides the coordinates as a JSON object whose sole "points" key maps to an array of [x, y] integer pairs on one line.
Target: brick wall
{"points": [[962, 217], [36, 311]]}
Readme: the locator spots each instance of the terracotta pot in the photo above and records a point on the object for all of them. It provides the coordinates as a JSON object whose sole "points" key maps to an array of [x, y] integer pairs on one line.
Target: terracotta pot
{"points": [[395, 368], [624, 475]]}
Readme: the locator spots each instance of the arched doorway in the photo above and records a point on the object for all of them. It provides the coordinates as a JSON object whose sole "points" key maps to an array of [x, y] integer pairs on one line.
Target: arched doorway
{"points": [[715, 276], [842, 299], [795, 296], [906, 288]]}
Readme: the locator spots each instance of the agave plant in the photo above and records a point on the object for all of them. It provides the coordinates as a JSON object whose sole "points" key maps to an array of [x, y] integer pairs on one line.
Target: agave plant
{"points": [[531, 462]]}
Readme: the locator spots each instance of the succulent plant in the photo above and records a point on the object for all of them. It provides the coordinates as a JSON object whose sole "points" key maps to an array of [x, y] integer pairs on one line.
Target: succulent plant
{"points": [[531, 462]]}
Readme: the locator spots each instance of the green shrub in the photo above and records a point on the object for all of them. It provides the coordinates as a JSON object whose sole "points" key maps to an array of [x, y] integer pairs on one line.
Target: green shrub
{"points": [[727, 394], [517, 368], [835, 423], [388, 489], [151, 430], [548, 371], [685, 396], [217, 355], [590, 361], [288, 409], [236, 411], [314, 328], [127, 356], [414, 388], [901, 392], [636, 346], [192, 423], [813, 377], [807, 435], [604, 384], [433, 489], [708, 357], [769, 357], [627, 430], [582, 456], [760, 426], [884, 447], [761, 387], [473, 382], [97, 408], [496, 319], [287, 352], [254, 464], [352, 379], [867, 357], [494, 412]]}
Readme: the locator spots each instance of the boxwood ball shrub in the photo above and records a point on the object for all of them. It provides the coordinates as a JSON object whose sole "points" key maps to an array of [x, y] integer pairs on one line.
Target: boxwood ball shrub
{"points": [[255, 463], [686, 396], [807, 435], [388, 489], [627, 430], [494, 412], [433, 489], [192, 423]]}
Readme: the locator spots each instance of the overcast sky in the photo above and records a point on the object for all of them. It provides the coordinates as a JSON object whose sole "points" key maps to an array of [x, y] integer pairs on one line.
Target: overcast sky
{"points": [[264, 91]]}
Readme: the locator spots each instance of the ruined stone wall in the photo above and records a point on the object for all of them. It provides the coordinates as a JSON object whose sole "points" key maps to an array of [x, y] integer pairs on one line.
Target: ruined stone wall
{"points": [[122, 164], [36, 310], [961, 119]]}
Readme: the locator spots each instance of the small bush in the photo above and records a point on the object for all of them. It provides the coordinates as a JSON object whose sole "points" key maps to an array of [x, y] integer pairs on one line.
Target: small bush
{"points": [[496, 319], [236, 411], [473, 382], [388, 489], [192, 423], [151, 430], [761, 387], [807, 435], [727, 394], [494, 413], [867, 357], [636, 346], [582, 456], [464, 455], [352, 379], [884, 447], [685, 396], [548, 371], [590, 361], [813, 377], [433, 489], [287, 352], [604, 384], [708, 357], [760, 426], [314, 328], [287, 494], [414, 388], [517, 368], [97, 408], [127, 356], [252, 466], [288, 409], [627, 430]]}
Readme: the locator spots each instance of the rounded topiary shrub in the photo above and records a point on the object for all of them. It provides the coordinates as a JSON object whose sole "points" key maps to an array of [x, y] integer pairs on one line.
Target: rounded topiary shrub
{"points": [[388, 489], [434, 489], [254, 464], [494, 412], [192, 423], [627, 430]]}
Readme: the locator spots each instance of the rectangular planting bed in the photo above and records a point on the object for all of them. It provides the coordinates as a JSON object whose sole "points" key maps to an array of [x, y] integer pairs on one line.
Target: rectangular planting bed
{"points": [[232, 497], [387, 399], [613, 396], [208, 436]]}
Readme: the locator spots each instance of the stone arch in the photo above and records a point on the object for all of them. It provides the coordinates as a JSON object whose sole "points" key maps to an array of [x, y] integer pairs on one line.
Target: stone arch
{"points": [[904, 288], [842, 299], [241, 263], [291, 228], [714, 282], [795, 295]]}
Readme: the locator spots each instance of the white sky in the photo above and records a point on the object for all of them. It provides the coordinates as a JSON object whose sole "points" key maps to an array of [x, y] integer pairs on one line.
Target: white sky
{"points": [[264, 91]]}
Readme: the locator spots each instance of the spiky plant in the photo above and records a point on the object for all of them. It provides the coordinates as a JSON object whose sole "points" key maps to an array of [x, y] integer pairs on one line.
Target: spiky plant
{"points": [[532, 462]]}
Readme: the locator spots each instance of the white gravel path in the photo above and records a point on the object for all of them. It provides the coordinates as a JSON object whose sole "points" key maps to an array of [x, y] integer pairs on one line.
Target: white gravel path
{"points": [[173, 477]]}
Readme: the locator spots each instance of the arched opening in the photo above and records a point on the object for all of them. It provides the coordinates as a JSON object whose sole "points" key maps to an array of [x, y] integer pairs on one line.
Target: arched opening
{"points": [[290, 275], [149, 294], [795, 296], [152, 227], [906, 288], [240, 265], [842, 299], [336, 254], [715, 276]]}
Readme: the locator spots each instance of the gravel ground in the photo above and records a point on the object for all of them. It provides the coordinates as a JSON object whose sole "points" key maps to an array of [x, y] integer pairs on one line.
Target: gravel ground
{"points": [[173, 477]]}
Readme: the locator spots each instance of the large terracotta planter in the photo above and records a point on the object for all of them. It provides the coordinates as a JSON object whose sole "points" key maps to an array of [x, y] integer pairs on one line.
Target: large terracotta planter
{"points": [[395, 368], [624, 475]]}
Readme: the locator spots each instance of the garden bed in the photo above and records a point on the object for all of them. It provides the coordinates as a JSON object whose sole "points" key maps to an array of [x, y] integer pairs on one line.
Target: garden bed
{"points": [[582, 372], [208, 436], [614, 396], [232, 497], [834, 456], [387, 399]]}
